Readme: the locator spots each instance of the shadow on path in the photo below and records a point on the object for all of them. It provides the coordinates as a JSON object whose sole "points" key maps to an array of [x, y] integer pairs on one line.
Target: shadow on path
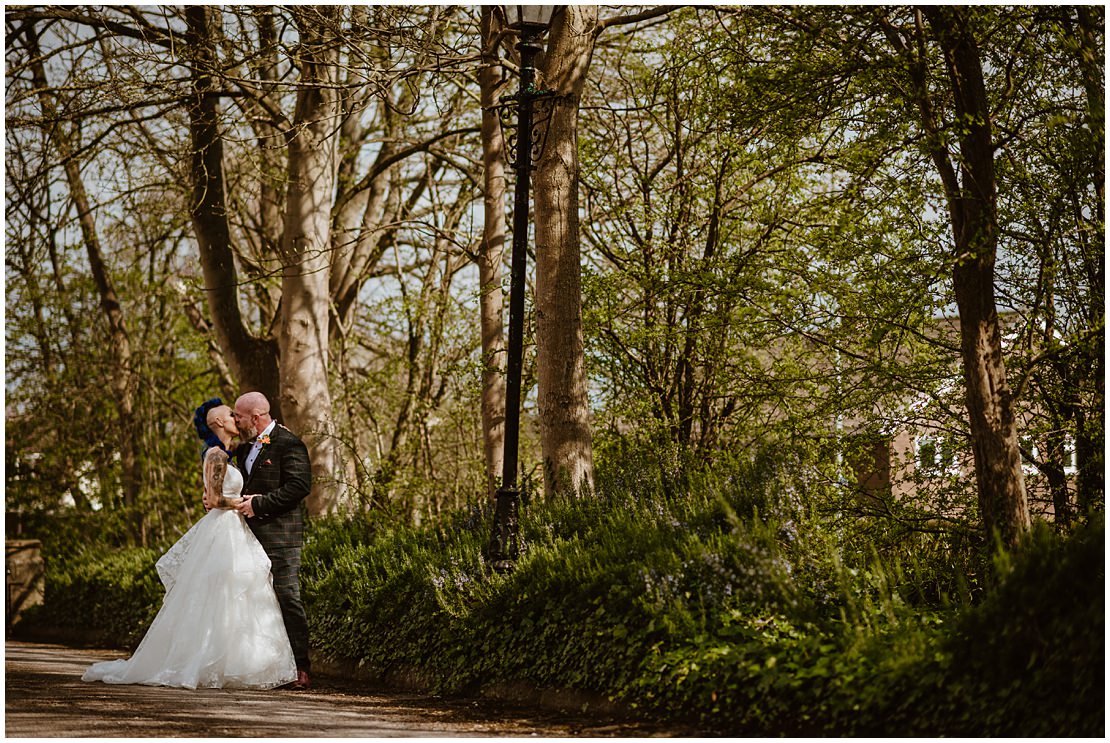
{"points": [[45, 697]]}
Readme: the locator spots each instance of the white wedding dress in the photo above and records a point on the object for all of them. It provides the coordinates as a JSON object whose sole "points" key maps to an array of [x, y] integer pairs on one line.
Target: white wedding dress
{"points": [[220, 625]]}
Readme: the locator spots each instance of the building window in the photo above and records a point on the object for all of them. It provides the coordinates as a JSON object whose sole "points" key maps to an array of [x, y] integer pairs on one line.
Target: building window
{"points": [[1069, 457], [1032, 466], [869, 458], [935, 455]]}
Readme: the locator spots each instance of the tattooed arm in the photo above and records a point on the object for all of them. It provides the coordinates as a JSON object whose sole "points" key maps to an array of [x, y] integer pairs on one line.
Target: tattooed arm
{"points": [[215, 467]]}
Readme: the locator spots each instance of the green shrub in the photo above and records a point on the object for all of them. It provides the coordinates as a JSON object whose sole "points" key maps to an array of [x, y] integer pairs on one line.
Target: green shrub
{"points": [[1032, 655], [109, 597], [728, 606]]}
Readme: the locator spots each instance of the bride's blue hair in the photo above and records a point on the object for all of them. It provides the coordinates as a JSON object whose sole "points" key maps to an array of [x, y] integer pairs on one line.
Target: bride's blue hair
{"points": [[206, 434]]}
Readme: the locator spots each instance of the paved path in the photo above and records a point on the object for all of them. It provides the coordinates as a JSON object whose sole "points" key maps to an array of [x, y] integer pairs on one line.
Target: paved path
{"points": [[45, 697]]}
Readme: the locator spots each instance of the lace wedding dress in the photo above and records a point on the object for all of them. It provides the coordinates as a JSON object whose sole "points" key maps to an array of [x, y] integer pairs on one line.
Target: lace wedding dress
{"points": [[220, 625]]}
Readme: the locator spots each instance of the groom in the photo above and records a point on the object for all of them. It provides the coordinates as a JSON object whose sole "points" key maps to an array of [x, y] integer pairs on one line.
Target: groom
{"points": [[275, 467]]}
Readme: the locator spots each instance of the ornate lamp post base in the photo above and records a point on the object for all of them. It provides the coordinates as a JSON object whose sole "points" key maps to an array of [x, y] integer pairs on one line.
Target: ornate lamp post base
{"points": [[504, 546]]}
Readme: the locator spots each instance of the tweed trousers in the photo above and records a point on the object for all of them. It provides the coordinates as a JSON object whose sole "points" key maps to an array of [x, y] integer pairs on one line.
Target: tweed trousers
{"points": [[285, 567]]}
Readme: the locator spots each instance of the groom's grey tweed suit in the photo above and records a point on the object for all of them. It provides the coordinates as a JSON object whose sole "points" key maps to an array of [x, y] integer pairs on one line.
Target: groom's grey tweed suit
{"points": [[280, 479]]}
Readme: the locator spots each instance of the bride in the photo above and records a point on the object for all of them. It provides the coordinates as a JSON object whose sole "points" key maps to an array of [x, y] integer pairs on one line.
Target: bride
{"points": [[220, 624]]}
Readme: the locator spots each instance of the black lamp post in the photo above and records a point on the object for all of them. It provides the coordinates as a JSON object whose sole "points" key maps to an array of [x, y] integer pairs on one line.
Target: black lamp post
{"points": [[531, 21]]}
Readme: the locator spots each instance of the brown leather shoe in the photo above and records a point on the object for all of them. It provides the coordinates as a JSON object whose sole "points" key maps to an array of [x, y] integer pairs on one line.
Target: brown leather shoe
{"points": [[302, 683]]}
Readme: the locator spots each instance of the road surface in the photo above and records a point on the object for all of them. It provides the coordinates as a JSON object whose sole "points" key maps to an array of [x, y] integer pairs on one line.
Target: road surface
{"points": [[45, 697]]}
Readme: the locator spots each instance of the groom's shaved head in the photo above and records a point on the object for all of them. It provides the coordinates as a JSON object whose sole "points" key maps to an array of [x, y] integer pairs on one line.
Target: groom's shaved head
{"points": [[252, 413], [252, 403]]}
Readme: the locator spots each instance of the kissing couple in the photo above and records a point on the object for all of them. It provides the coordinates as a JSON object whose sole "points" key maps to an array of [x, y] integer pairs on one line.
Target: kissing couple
{"points": [[232, 615]]}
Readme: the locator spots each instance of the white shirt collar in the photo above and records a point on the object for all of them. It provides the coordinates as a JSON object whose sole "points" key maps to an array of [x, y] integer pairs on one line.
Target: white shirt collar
{"points": [[265, 432]]}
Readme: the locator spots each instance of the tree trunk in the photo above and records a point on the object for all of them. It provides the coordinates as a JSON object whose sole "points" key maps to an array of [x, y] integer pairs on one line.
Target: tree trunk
{"points": [[265, 236], [1090, 433], [564, 411], [253, 361], [305, 303], [973, 210], [271, 188], [1054, 472], [490, 256]]}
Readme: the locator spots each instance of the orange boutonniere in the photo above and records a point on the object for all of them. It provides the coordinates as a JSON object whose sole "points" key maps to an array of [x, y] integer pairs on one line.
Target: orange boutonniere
{"points": [[264, 440]]}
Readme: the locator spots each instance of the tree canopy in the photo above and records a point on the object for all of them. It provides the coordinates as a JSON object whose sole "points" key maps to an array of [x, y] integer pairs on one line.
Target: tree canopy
{"points": [[756, 228]]}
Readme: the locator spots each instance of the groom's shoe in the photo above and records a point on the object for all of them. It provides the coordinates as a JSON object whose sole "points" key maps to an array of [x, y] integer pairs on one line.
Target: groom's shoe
{"points": [[302, 683]]}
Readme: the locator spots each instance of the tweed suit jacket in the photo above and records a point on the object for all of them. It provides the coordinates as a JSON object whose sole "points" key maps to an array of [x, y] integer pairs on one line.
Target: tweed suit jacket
{"points": [[280, 479]]}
